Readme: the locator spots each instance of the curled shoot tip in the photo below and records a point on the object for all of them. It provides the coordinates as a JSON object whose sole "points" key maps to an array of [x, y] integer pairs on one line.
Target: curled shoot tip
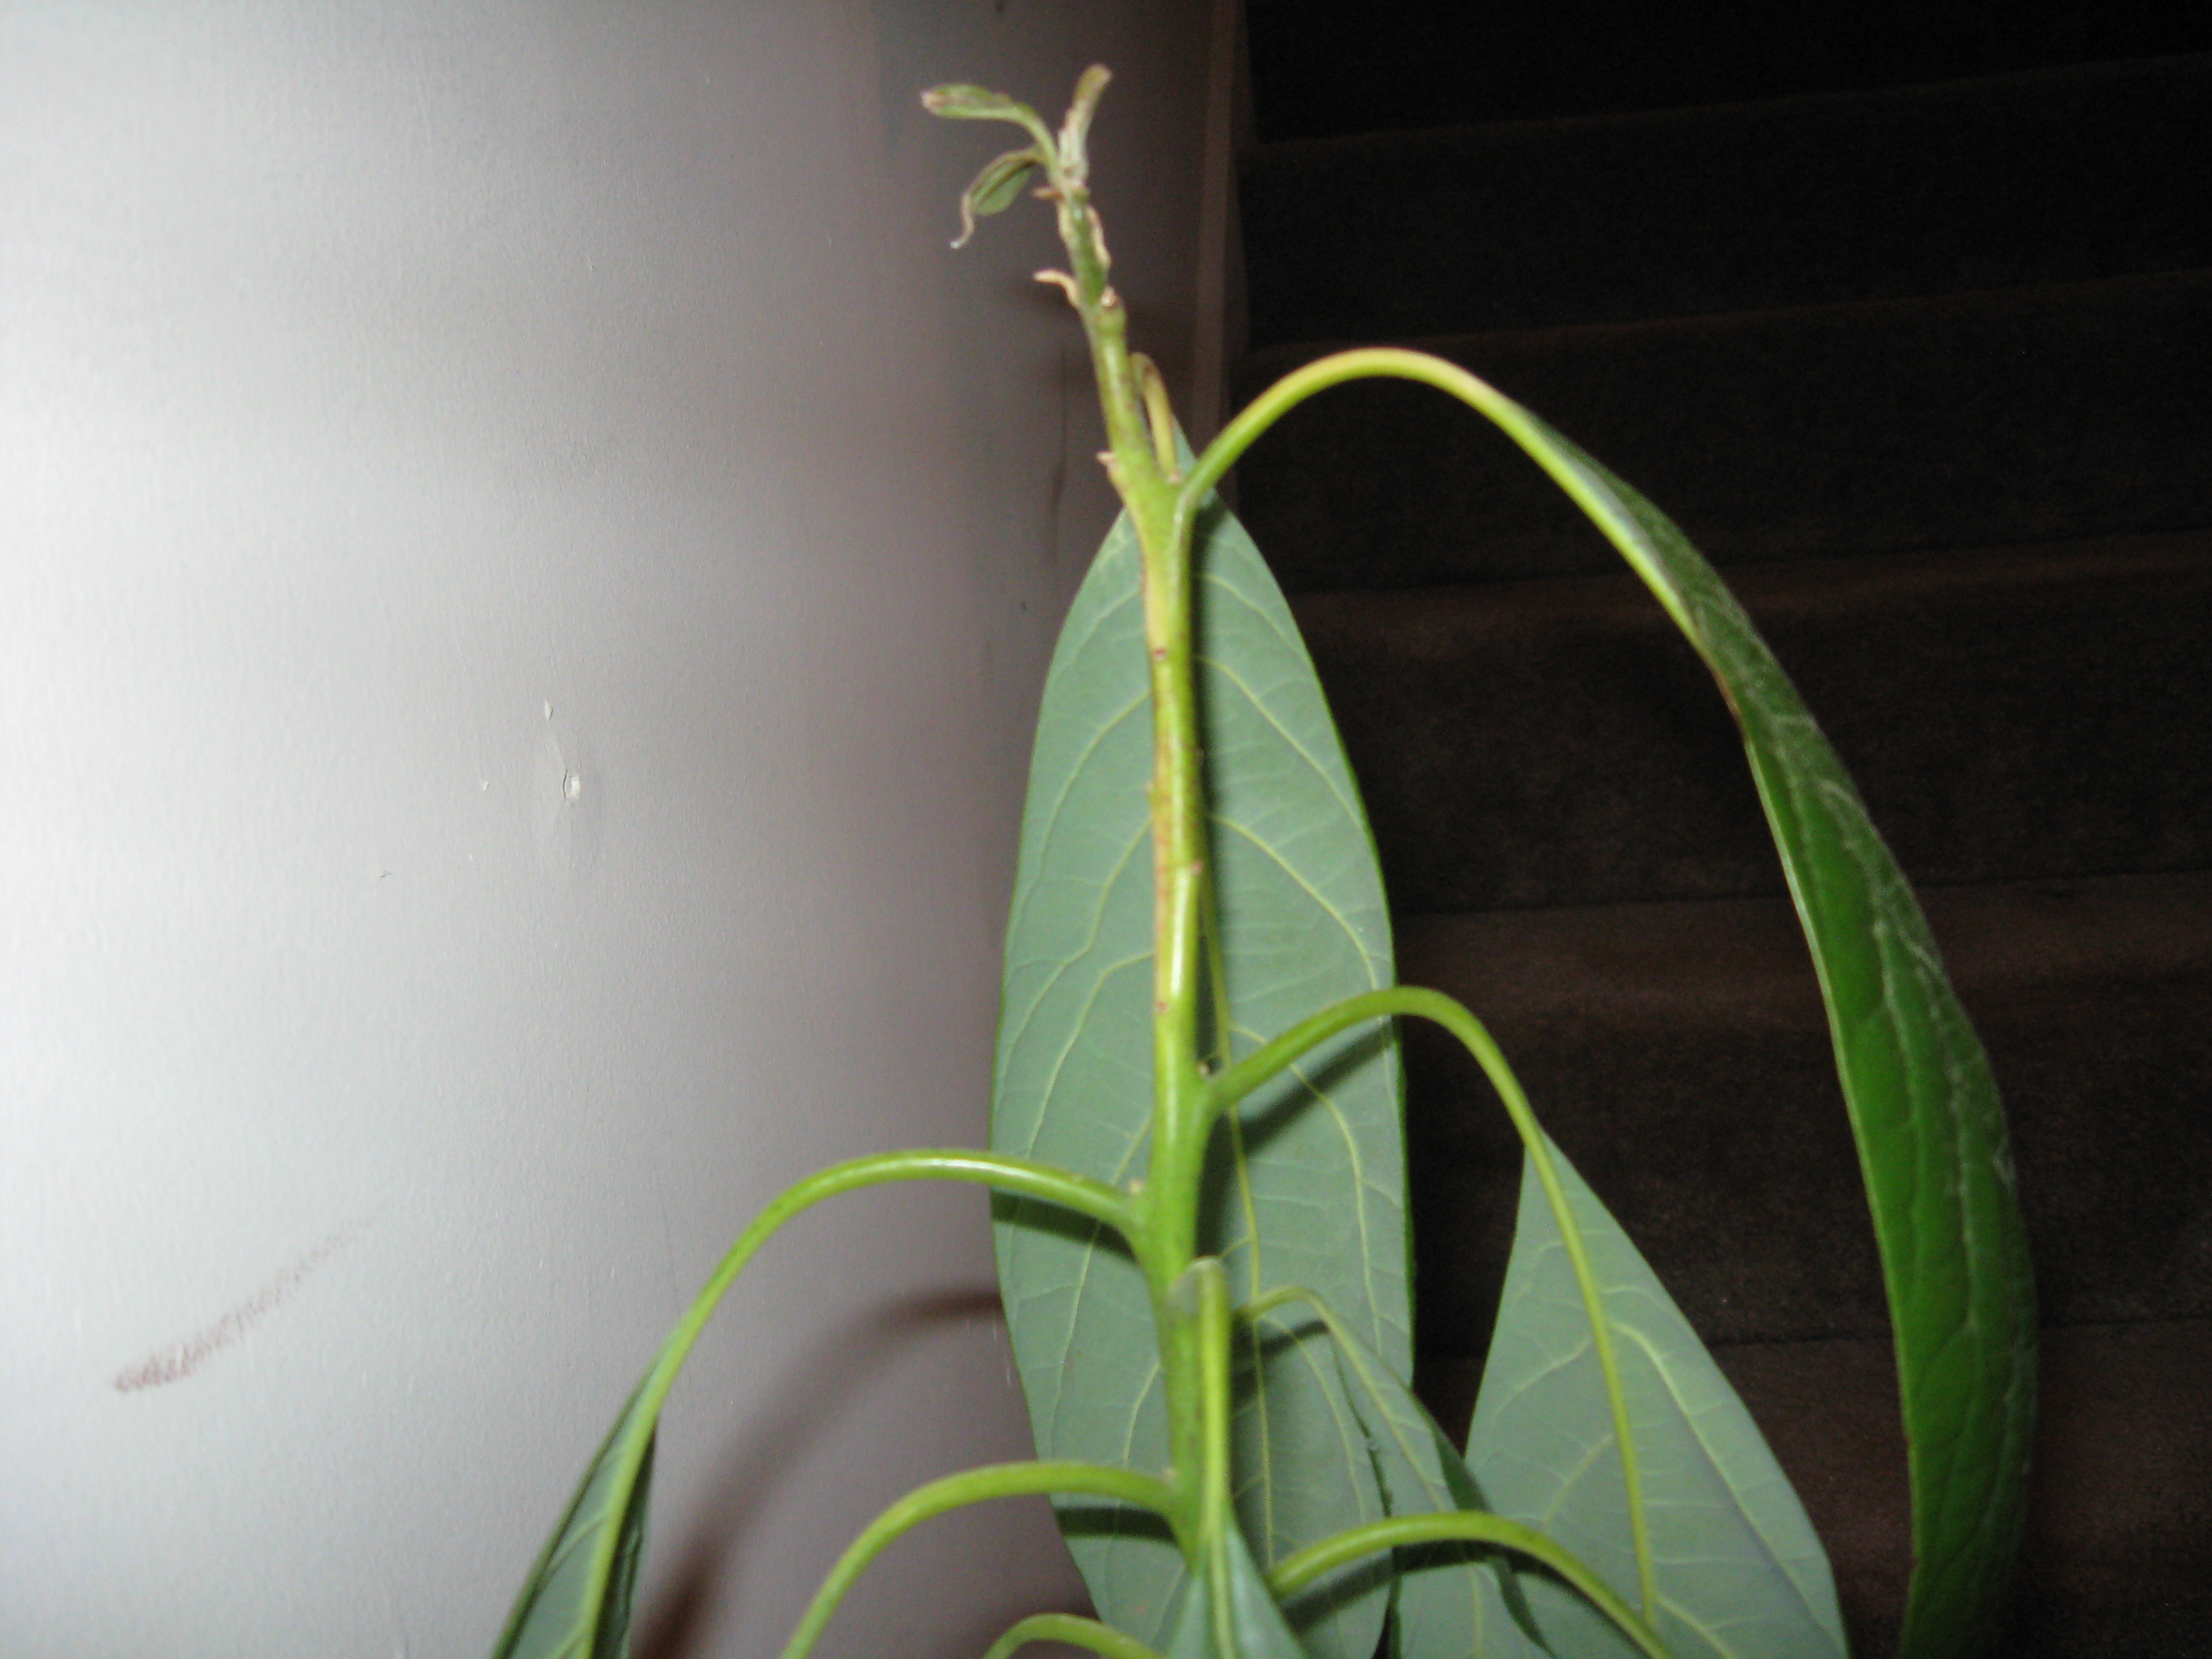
{"points": [[993, 189], [1062, 157], [1075, 129]]}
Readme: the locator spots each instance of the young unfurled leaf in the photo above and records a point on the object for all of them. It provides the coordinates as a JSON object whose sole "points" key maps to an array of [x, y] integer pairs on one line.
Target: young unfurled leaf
{"points": [[957, 101], [1075, 131], [993, 189]]}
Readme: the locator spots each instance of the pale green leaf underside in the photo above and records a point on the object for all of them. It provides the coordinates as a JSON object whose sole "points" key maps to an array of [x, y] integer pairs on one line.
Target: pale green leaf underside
{"points": [[576, 1602], [1256, 1625], [1740, 1573], [1931, 1132], [1451, 1603], [1309, 1185]]}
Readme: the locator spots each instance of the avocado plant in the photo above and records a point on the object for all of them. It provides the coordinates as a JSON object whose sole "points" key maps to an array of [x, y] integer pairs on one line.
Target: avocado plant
{"points": [[1197, 1157]]}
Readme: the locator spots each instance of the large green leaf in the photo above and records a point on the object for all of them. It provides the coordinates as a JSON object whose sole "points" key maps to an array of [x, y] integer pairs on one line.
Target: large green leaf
{"points": [[1738, 1570], [576, 1602], [1924, 1106], [1309, 1186]]}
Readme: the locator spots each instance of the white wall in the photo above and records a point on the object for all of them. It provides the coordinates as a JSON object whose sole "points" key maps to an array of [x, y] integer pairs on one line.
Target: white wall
{"points": [[406, 410]]}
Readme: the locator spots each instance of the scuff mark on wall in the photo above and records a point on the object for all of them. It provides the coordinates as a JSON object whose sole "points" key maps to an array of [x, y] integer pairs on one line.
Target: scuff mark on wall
{"points": [[178, 1361]]}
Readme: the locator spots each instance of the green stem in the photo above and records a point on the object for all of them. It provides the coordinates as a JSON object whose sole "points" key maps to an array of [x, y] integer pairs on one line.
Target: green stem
{"points": [[1140, 462], [956, 1492], [1202, 1298], [1294, 1573], [1216, 1057], [1024, 1177], [623, 1458], [1232, 1083], [1139, 431], [1071, 1631], [1365, 362], [1394, 363], [1264, 1062]]}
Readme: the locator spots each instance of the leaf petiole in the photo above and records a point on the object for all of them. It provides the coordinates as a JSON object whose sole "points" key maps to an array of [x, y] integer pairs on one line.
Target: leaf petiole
{"points": [[1159, 416], [586, 1551], [1294, 1573], [1069, 1631], [956, 1492], [1238, 1080]]}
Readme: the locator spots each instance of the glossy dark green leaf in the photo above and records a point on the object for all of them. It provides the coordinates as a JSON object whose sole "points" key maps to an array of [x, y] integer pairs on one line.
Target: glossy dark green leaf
{"points": [[1924, 1106], [1308, 1187], [1738, 1570], [576, 1602]]}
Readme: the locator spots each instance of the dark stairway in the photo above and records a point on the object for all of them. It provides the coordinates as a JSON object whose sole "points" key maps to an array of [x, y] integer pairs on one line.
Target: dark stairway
{"points": [[1915, 343]]}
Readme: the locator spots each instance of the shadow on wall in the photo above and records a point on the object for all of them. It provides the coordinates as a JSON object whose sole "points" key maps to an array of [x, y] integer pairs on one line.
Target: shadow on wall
{"points": [[805, 1406]]}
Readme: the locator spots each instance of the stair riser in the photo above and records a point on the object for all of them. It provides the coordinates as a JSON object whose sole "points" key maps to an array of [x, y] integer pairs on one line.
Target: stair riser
{"points": [[2006, 716], [1848, 429]]}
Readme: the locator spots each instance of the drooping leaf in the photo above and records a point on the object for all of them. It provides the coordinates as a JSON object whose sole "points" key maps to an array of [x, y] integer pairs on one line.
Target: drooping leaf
{"points": [[1309, 1185], [1739, 1571], [1256, 1623], [576, 1602], [1931, 1135]]}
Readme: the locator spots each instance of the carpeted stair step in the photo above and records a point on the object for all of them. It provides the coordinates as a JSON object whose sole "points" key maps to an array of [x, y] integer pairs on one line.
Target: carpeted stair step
{"points": [[1679, 1054], [2061, 175], [2121, 1487], [2039, 712], [1966, 420]]}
